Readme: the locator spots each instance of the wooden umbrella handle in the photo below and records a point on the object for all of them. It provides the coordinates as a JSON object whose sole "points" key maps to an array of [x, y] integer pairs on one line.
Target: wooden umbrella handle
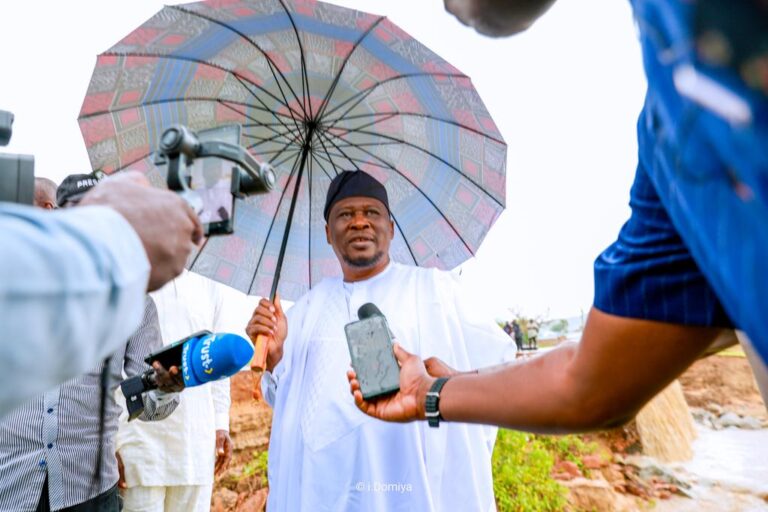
{"points": [[259, 360], [258, 364]]}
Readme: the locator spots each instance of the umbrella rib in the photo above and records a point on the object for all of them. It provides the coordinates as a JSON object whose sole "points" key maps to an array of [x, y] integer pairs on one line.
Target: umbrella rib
{"points": [[257, 124], [399, 228], [175, 100], [429, 153], [263, 108], [361, 95], [286, 145], [350, 145], [194, 261], [319, 163], [139, 159], [355, 160], [283, 102], [332, 88], [386, 117], [304, 76], [273, 67], [281, 162], [437, 209], [342, 154], [290, 110], [263, 140], [273, 151], [272, 225], [416, 114], [330, 160]]}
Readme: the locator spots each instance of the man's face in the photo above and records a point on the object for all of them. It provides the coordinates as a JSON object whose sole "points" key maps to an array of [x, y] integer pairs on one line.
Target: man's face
{"points": [[360, 232]]}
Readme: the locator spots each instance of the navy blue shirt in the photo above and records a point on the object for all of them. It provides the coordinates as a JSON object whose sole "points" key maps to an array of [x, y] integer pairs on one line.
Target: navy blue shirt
{"points": [[695, 250]]}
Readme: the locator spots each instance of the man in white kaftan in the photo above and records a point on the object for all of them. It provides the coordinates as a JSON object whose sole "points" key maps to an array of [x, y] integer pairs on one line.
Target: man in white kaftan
{"points": [[324, 453], [169, 466]]}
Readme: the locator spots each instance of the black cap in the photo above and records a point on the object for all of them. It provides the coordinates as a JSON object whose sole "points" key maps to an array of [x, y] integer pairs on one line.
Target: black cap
{"points": [[353, 184], [74, 187]]}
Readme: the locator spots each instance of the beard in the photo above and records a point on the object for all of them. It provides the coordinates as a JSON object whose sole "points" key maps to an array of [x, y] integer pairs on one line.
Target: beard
{"points": [[364, 262]]}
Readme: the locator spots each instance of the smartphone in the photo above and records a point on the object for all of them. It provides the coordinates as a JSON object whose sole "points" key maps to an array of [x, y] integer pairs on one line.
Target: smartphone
{"points": [[370, 348], [170, 355], [212, 181]]}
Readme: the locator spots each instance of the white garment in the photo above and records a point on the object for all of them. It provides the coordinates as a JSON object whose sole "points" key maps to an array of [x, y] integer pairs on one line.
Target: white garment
{"points": [[185, 498], [181, 449], [72, 287], [324, 454]]}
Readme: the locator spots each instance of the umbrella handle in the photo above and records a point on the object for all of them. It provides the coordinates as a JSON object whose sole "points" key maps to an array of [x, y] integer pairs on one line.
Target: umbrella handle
{"points": [[259, 361]]}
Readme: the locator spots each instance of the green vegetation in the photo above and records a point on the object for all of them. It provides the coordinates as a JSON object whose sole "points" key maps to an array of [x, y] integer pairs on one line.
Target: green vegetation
{"points": [[522, 467], [257, 468], [522, 470]]}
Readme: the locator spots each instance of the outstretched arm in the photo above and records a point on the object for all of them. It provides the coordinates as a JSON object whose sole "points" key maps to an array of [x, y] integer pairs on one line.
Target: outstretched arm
{"points": [[600, 382]]}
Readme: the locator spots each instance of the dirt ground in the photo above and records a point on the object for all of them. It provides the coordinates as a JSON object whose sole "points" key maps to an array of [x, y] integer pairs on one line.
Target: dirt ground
{"points": [[725, 381]]}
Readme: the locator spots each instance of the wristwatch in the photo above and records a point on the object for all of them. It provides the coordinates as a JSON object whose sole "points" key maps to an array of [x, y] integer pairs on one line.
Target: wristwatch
{"points": [[432, 409]]}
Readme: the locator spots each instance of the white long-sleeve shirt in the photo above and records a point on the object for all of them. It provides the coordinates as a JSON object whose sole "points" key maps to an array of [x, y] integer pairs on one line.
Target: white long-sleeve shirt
{"points": [[72, 287], [180, 450]]}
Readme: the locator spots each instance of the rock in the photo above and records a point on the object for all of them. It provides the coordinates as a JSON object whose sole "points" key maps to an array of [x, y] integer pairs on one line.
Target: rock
{"points": [[565, 470], [254, 503], [223, 500], [614, 476], [731, 419], [593, 462], [584, 494], [714, 408], [703, 417]]}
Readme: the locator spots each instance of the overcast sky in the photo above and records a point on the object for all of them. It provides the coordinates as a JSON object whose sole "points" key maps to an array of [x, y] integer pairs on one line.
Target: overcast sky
{"points": [[565, 96]]}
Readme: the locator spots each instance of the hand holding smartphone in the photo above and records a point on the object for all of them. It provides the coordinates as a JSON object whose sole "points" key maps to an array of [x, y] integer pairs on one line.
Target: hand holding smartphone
{"points": [[370, 348]]}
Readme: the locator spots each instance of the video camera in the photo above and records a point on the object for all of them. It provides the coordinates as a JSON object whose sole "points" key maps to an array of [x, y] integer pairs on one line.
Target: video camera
{"points": [[211, 187], [17, 172]]}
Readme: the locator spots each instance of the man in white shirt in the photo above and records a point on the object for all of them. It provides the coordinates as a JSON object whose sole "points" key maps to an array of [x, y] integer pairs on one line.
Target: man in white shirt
{"points": [[324, 454], [169, 466]]}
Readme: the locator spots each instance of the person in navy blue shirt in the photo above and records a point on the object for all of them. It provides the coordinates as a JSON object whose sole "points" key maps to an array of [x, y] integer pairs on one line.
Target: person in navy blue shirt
{"points": [[692, 259]]}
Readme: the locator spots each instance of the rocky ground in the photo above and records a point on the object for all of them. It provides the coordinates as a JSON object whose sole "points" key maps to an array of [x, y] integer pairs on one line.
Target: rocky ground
{"points": [[720, 391]]}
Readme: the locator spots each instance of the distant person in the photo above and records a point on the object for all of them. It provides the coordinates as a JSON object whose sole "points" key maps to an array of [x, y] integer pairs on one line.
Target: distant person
{"points": [[324, 454], [45, 194], [169, 466], [691, 260], [50, 446], [517, 334], [72, 283]]}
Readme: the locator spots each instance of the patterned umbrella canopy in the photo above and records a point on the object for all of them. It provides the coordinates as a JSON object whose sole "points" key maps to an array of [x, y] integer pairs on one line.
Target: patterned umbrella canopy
{"points": [[317, 89]]}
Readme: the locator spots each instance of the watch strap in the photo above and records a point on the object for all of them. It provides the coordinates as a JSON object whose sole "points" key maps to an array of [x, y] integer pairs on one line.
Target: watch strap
{"points": [[432, 406]]}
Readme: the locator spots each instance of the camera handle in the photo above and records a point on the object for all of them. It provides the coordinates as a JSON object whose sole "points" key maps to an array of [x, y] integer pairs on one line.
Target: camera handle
{"points": [[251, 178]]}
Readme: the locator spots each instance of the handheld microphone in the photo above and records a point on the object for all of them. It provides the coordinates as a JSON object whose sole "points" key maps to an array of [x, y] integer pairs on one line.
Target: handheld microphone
{"points": [[368, 310], [202, 356], [370, 349]]}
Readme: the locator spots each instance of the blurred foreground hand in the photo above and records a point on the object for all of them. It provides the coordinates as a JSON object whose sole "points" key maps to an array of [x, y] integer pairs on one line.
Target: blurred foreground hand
{"points": [[165, 223]]}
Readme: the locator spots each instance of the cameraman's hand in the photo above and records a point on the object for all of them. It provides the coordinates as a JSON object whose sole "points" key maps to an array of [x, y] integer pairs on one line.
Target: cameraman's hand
{"points": [[269, 320], [170, 380], [165, 223]]}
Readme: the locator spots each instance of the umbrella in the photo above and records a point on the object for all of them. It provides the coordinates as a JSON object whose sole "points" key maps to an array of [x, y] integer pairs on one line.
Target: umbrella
{"points": [[317, 89]]}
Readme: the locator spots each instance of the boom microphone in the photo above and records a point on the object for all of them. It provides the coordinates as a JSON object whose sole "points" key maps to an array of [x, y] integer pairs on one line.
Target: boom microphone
{"points": [[203, 357]]}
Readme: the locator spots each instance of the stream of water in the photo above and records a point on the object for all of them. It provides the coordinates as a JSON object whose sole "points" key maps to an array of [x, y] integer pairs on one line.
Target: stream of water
{"points": [[729, 472]]}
